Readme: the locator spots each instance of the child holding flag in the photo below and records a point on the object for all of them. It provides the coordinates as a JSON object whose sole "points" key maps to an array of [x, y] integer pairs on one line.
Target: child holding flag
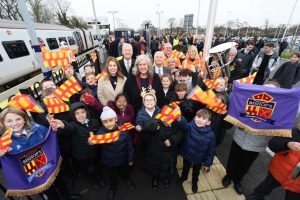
{"points": [[198, 147], [117, 155]]}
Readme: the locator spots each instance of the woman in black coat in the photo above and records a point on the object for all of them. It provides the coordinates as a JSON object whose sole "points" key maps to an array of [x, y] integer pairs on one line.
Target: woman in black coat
{"points": [[143, 77], [163, 145], [288, 73]]}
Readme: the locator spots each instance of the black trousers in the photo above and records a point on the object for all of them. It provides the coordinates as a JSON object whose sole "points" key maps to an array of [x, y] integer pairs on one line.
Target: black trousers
{"points": [[87, 168], [113, 174], [186, 169], [239, 162], [266, 187]]}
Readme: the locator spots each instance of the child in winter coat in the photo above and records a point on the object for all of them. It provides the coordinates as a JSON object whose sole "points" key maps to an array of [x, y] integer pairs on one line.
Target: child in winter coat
{"points": [[163, 146], [147, 112], [198, 147], [167, 83], [116, 155], [84, 155]]}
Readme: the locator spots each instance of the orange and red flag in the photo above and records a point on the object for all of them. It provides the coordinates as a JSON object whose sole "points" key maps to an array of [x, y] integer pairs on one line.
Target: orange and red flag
{"points": [[25, 102], [104, 73], [211, 83], [5, 140], [204, 97], [217, 106], [126, 126], [67, 89], [55, 105], [105, 138], [247, 80], [168, 114], [53, 59]]}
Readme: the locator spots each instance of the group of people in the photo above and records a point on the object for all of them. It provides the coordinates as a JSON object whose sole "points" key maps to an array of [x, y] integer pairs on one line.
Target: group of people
{"points": [[135, 90]]}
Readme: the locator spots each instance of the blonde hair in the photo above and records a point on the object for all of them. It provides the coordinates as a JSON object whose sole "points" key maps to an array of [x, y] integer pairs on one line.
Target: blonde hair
{"points": [[139, 59], [16, 111], [194, 49]]}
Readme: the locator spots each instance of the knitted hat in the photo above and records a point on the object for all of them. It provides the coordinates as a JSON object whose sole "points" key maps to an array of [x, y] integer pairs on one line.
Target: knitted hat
{"points": [[108, 113]]}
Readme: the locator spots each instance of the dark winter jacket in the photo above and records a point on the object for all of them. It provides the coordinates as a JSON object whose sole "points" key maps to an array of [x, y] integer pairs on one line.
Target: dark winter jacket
{"points": [[142, 117], [35, 135], [288, 74], [158, 156], [199, 143], [277, 144], [235, 69], [123, 67], [116, 153], [80, 133], [246, 60], [188, 107], [132, 90]]}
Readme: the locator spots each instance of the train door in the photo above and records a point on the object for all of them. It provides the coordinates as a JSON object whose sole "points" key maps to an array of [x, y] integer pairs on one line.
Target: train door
{"points": [[79, 41]]}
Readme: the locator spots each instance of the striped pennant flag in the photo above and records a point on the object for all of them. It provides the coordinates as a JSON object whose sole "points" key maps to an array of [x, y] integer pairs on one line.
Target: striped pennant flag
{"points": [[126, 126], [168, 115], [172, 117], [5, 140], [67, 89], [202, 70], [165, 112], [104, 73], [25, 102], [55, 105], [174, 104], [204, 97], [105, 138], [217, 106], [211, 83], [247, 80], [177, 54]]}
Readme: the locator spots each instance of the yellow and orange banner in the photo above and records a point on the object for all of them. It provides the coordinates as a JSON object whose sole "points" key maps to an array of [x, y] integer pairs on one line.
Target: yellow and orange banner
{"points": [[55, 105], [25, 102], [53, 59], [126, 126], [211, 83], [247, 80], [168, 115], [104, 73], [67, 89], [5, 140], [105, 138]]}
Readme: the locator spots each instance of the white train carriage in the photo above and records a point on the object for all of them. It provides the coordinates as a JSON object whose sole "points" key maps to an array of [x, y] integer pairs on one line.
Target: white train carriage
{"points": [[17, 56]]}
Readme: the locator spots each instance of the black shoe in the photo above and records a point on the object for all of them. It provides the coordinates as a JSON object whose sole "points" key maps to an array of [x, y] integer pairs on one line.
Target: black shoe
{"points": [[166, 182], [74, 196], [194, 187], [181, 180], [226, 181], [154, 184], [129, 184], [111, 194], [238, 187]]}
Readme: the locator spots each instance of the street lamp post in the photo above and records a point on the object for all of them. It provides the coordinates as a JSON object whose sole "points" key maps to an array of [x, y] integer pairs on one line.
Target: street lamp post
{"points": [[113, 15], [199, 1], [288, 23], [159, 20], [96, 22]]}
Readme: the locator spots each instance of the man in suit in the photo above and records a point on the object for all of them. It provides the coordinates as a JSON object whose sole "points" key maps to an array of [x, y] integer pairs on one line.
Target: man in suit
{"points": [[158, 64], [127, 62]]}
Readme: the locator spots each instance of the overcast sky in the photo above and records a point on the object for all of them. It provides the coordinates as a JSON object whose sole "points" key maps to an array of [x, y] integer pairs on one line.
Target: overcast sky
{"points": [[134, 12]]}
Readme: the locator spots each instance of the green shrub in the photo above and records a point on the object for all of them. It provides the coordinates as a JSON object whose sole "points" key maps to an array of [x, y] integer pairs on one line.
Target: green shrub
{"points": [[286, 55]]}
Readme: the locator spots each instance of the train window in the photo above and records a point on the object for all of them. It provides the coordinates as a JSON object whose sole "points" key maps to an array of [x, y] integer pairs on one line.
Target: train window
{"points": [[60, 39], [52, 43], [15, 49], [71, 40], [1, 59]]}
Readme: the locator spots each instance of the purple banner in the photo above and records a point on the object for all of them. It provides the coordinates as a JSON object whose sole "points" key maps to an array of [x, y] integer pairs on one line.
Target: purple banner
{"points": [[263, 110], [33, 170]]}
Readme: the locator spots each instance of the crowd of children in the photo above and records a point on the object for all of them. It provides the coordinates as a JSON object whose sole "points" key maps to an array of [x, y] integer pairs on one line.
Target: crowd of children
{"points": [[103, 105]]}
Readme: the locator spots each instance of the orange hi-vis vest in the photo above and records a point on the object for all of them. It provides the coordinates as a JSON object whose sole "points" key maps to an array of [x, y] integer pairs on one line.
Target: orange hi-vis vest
{"points": [[188, 64], [282, 167]]}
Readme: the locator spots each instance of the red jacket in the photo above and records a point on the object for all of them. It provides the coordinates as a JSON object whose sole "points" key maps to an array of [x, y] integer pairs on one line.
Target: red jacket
{"points": [[282, 167]]}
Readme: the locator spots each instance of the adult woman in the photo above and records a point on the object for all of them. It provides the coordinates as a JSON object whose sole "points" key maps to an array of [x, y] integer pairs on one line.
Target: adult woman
{"points": [[192, 61], [112, 84], [143, 78]]}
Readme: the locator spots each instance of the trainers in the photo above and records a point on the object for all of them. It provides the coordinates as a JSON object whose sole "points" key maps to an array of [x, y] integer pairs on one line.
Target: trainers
{"points": [[154, 184], [238, 187], [194, 187], [226, 181]]}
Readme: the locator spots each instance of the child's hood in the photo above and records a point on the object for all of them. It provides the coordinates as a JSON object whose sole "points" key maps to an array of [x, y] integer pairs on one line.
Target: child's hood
{"points": [[77, 105]]}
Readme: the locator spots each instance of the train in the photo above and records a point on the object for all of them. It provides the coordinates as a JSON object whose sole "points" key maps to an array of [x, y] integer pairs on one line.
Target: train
{"points": [[17, 59]]}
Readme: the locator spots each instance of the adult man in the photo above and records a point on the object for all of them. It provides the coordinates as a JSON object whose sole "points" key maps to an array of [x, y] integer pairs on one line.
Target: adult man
{"points": [[167, 53], [158, 64], [234, 66], [180, 47], [264, 63], [127, 62], [282, 46], [246, 57]]}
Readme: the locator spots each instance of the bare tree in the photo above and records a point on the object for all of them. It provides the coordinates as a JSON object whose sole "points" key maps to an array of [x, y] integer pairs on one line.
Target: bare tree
{"points": [[40, 11], [9, 10], [61, 8], [172, 23], [266, 25]]}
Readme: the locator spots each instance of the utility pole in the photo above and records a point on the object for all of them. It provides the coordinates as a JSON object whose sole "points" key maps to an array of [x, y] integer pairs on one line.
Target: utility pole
{"points": [[247, 31], [33, 37], [113, 15], [210, 26], [96, 22], [198, 13], [159, 21], [157, 29], [288, 23]]}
